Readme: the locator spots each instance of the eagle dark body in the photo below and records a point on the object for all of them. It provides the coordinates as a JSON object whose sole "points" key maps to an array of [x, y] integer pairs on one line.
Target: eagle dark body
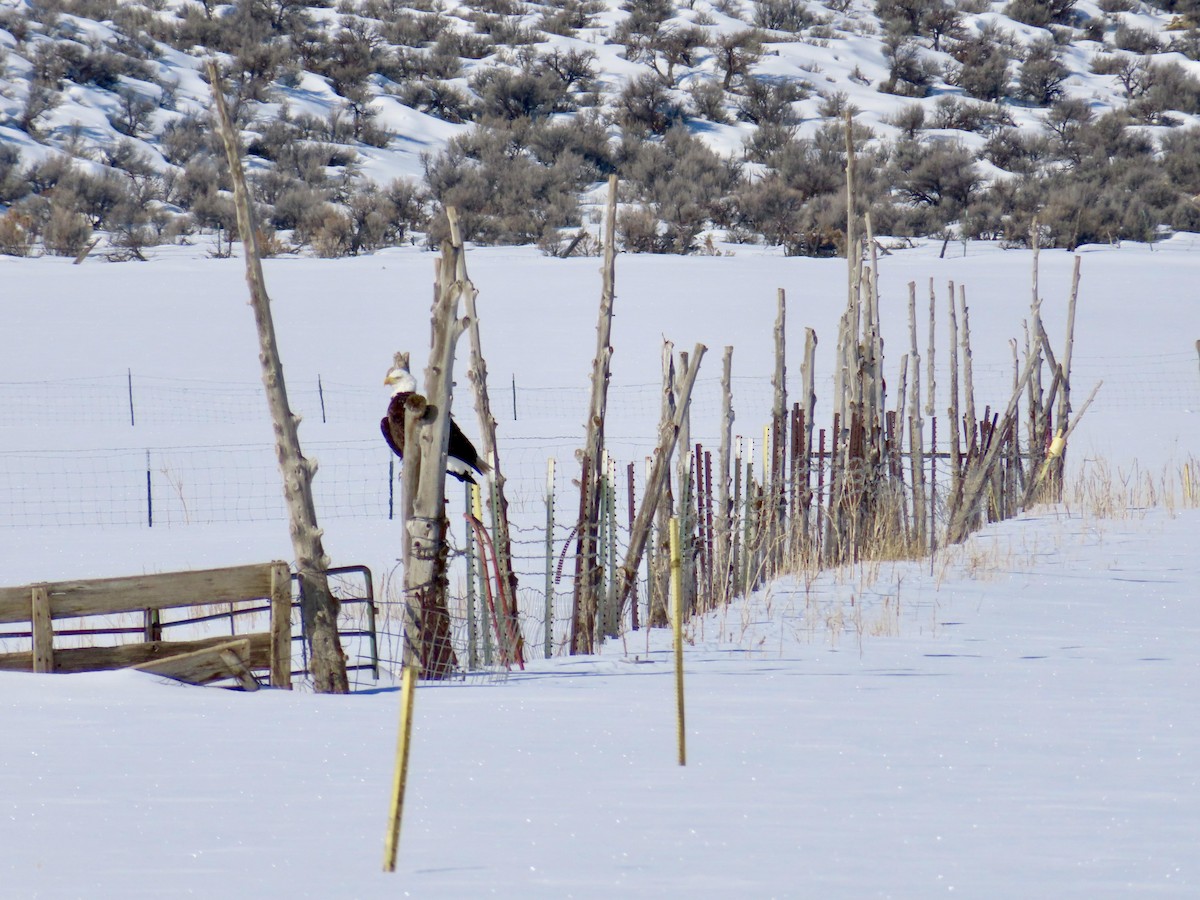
{"points": [[462, 455]]}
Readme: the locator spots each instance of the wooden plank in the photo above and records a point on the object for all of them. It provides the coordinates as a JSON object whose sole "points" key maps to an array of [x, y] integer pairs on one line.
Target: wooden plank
{"points": [[241, 672], [14, 603], [225, 660], [105, 596], [116, 595], [281, 625], [95, 659], [43, 629]]}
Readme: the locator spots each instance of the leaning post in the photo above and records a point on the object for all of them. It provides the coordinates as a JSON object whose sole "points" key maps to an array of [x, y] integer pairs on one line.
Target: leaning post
{"points": [[319, 608]]}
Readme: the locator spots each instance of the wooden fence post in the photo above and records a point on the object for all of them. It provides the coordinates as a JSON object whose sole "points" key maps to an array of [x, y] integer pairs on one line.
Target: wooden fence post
{"points": [[956, 471], [1064, 401], [281, 625], [916, 426], [668, 437], [43, 629], [319, 608], [477, 374], [776, 514], [548, 637], [677, 642], [426, 548], [724, 547], [586, 602]]}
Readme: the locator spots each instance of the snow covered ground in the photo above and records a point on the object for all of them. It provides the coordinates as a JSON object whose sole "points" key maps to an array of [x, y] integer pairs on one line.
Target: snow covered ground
{"points": [[1022, 727], [1012, 719]]}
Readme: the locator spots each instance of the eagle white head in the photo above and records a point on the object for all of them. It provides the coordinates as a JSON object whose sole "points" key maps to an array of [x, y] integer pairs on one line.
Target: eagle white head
{"points": [[398, 378]]}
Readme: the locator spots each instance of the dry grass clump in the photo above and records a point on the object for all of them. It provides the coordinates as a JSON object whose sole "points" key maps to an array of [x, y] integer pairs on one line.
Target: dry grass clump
{"points": [[1107, 492]]}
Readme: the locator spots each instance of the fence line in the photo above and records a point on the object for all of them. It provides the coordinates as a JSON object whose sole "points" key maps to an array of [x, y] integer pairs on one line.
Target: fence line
{"points": [[133, 400]]}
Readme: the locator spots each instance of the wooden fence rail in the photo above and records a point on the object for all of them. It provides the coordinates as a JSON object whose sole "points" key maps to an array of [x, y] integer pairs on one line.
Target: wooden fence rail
{"points": [[41, 604]]}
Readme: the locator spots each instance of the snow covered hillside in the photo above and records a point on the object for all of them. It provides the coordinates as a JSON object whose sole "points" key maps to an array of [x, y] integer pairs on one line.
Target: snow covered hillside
{"points": [[364, 118]]}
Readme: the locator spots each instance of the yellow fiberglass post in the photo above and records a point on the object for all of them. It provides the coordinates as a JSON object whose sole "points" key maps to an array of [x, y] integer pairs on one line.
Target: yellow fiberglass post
{"points": [[407, 693], [677, 625]]}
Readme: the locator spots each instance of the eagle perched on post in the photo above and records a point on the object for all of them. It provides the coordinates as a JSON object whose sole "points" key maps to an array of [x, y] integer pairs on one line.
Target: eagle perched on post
{"points": [[462, 459]]}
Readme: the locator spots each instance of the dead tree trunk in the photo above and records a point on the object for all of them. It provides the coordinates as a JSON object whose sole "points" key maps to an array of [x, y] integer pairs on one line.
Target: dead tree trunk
{"points": [[724, 548], [916, 429], [777, 512], [587, 565], [685, 484], [319, 608], [1037, 413], [668, 438], [1064, 395], [931, 351], [956, 468], [964, 515], [425, 531], [808, 379], [659, 616], [477, 373], [968, 376]]}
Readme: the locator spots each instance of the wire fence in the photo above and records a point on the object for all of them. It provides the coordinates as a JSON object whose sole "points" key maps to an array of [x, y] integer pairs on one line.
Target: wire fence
{"points": [[238, 483], [358, 479], [1168, 380]]}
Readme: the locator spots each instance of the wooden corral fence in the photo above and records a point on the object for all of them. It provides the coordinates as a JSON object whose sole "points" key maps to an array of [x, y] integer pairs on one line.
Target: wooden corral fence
{"points": [[196, 661]]}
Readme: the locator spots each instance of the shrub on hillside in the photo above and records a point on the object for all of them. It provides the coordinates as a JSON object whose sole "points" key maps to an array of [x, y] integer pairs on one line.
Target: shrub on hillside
{"points": [[439, 99], [517, 94], [1168, 87], [1066, 123], [934, 19], [1041, 13], [187, 137], [1015, 150], [1136, 40], [983, 63], [910, 120], [953, 113], [1042, 74], [67, 230], [505, 192], [565, 17], [682, 180], [735, 52], [783, 15], [16, 233], [769, 101], [910, 74], [13, 182], [937, 179], [647, 107]]}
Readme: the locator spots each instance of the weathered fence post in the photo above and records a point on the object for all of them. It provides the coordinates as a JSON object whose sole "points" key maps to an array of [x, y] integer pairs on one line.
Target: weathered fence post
{"points": [[548, 640], [585, 607], [426, 547], [776, 521], [319, 607], [916, 426], [1064, 402], [956, 469], [668, 437], [677, 641], [477, 374], [724, 548]]}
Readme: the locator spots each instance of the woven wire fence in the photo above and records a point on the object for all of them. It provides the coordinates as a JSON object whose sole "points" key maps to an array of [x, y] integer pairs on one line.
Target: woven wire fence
{"points": [[228, 484], [129, 399]]}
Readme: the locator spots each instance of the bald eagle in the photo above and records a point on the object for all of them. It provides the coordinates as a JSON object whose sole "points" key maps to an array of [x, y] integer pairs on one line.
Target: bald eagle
{"points": [[462, 459]]}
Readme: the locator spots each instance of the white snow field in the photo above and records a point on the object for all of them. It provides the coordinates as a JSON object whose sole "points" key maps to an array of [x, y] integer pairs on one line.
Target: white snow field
{"points": [[1014, 718]]}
